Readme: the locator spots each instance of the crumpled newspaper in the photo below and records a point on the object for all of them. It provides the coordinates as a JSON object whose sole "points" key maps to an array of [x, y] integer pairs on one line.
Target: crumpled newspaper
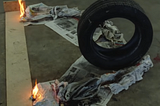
{"points": [[128, 76], [41, 12], [90, 90], [116, 82], [84, 89], [109, 36]]}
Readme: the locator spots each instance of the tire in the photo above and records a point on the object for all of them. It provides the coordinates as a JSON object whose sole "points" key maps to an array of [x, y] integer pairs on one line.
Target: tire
{"points": [[115, 58]]}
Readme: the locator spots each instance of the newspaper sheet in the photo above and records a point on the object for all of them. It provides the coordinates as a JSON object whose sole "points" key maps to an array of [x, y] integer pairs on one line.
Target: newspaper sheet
{"points": [[66, 27]]}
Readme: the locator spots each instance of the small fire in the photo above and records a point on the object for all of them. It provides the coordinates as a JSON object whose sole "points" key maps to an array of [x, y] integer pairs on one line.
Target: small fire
{"points": [[35, 90], [21, 8]]}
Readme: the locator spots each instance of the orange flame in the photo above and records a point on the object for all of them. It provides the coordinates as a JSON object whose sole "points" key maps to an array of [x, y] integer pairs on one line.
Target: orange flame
{"points": [[35, 90], [21, 8]]}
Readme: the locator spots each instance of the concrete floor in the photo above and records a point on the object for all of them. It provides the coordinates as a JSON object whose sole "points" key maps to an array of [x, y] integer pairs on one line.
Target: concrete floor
{"points": [[50, 55]]}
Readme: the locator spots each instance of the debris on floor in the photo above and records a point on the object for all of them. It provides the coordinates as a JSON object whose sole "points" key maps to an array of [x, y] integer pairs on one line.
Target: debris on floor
{"points": [[41, 13], [80, 83]]}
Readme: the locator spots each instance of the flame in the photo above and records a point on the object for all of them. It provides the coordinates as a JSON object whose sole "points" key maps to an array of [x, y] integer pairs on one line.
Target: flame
{"points": [[35, 90], [21, 8]]}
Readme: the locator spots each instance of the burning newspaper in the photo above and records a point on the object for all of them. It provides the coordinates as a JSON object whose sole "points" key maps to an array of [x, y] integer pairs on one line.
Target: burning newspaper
{"points": [[41, 13], [89, 85]]}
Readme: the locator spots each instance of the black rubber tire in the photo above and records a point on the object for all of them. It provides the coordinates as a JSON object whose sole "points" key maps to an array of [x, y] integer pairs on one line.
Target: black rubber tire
{"points": [[116, 58]]}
